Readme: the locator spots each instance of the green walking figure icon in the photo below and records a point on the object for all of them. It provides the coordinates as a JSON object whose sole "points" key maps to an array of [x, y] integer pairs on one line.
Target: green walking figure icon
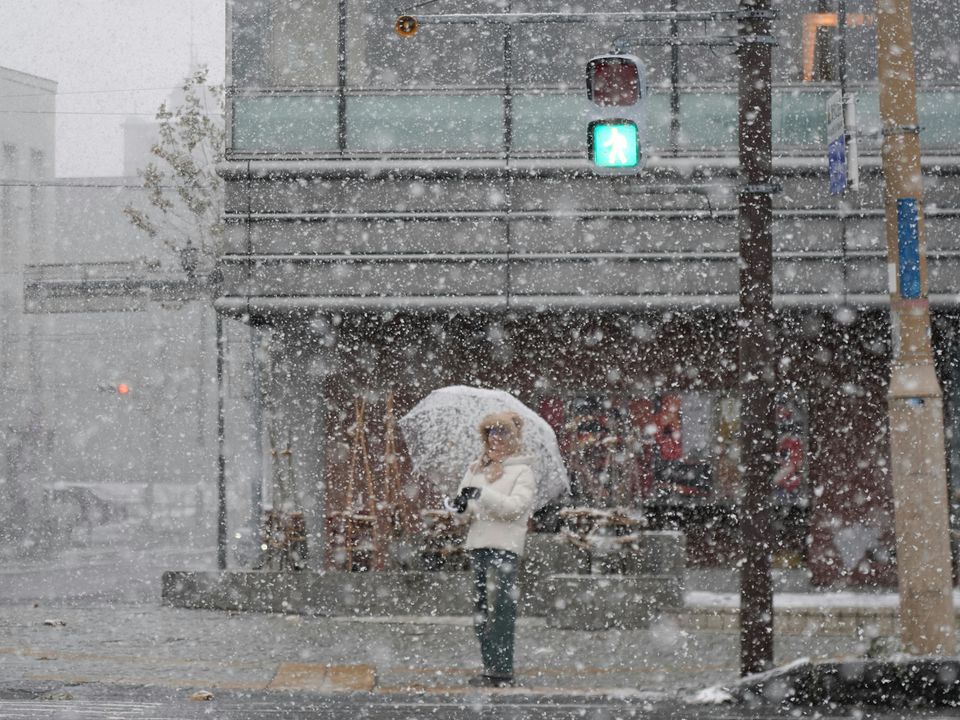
{"points": [[617, 144]]}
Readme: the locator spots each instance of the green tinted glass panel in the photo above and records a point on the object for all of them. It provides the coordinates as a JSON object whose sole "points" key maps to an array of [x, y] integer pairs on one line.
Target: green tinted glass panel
{"points": [[614, 144], [799, 117], [278, 123], [657, 116], [551, 122], [425, 123], [548, 123], [939, 115], [555, 123], [708, 119]]}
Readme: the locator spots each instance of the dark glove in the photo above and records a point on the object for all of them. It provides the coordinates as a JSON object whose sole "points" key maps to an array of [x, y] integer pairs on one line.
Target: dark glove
{"points": [[466, 494]]}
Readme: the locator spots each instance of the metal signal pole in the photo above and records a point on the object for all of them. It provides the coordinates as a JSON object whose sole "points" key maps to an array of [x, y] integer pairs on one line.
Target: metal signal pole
{"points": [[757, 366], [918, 461]]}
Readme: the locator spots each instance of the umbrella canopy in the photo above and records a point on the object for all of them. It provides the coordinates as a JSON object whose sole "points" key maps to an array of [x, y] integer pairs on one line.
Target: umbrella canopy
{"points": [[441, 435]]}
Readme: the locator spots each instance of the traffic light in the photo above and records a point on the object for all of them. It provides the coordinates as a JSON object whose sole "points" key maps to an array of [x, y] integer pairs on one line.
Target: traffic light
{"points": [[616, 93], [121, 389]]}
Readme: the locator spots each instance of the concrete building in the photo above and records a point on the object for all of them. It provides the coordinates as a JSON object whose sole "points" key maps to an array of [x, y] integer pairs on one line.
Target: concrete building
{"points": [[404, 214], [129, 318], [26, 160]]}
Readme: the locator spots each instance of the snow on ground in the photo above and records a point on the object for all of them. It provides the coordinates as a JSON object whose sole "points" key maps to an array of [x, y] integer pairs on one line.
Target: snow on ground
{"points": [[827, 599]]}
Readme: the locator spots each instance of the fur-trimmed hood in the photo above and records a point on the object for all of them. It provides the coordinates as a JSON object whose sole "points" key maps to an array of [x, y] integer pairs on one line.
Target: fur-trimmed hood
{"points": [[506, 419]]}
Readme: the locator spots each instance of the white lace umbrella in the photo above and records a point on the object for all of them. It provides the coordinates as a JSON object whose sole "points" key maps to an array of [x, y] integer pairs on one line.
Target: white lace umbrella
{"points": [[441, 435]]}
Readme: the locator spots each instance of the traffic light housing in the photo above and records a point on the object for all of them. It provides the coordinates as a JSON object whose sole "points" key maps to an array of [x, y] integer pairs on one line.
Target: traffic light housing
{"points": [[120, 389], [616, 95]]}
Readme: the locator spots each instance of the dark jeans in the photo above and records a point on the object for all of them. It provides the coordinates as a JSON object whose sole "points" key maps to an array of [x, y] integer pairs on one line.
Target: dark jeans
{"points": [[495, 614]]}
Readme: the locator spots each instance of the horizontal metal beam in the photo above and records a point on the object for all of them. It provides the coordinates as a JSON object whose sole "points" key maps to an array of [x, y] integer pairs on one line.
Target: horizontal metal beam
{"points": [[695, 40], [608, 18], [259, 305], [277, 167], [120, 294], [518, 257], [472, 215], [557, 215]]}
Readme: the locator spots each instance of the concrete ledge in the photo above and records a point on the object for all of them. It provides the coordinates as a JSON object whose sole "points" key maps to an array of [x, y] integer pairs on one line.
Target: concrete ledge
{"points": [[661, 552], [328, 594], [599, 602], [557, 580], [572, 601]]}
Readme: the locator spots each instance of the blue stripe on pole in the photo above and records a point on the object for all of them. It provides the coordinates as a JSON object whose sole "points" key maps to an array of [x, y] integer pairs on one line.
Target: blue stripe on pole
{"points": [[908, 241]]}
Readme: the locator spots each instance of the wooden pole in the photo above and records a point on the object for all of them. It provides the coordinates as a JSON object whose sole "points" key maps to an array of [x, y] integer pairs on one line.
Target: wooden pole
{"points": [[757, 366]]}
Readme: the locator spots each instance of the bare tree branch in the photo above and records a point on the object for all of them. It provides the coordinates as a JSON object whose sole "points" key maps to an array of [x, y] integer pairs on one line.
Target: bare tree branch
{"points": [[183, 189]]}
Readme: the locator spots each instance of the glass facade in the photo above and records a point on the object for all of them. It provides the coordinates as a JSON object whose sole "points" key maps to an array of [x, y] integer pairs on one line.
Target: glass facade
{"points": [[547, 124], [285, 123], [446, 91], [425, 123]]}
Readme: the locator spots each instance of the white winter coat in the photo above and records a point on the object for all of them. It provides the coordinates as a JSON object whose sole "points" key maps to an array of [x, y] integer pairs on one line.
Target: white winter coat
{"points": [[498, 518]]}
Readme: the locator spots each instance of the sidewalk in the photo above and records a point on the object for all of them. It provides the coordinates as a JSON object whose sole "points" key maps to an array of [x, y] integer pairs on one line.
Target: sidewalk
{"points": [[131, 644]]}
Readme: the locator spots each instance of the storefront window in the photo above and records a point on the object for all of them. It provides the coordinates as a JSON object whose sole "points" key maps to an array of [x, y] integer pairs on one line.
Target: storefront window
{"points": [[668, 447]]}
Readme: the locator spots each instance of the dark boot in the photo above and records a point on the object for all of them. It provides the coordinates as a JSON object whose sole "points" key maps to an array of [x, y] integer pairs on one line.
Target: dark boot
{"points": [[492, 681]]}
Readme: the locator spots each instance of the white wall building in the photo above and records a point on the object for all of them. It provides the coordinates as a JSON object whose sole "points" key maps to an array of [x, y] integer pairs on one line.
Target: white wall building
{"points": [[62, 421], [26, 160]]}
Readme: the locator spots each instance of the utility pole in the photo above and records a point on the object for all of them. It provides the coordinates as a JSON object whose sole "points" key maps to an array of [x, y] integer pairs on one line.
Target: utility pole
{"points": [[756, 365], [918, 462], [221, 443]]}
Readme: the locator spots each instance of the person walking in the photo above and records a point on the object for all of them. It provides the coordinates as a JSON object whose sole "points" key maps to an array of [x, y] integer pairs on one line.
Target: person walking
{"points": [[497, 493]]}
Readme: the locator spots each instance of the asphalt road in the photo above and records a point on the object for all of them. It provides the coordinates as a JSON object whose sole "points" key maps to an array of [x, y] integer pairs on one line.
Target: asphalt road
{"points": [[412, 707]]}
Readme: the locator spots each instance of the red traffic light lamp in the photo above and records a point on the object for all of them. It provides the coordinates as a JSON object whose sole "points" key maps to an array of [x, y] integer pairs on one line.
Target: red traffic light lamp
{"points": [[123, 389], [614, 80]]}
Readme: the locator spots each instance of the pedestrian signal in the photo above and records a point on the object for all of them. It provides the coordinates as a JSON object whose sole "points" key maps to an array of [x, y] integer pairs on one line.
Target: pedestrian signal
{"points": [[616, 96], [614, 143]]}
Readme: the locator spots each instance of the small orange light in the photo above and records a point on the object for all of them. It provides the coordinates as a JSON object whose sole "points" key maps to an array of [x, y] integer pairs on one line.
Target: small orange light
{"points": [[406, 26], [123, 389]]}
